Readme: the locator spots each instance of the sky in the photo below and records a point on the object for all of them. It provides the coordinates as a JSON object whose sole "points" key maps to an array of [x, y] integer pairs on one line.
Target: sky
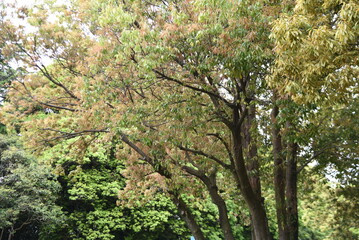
{"points": [[20, 2], [26, 3]]}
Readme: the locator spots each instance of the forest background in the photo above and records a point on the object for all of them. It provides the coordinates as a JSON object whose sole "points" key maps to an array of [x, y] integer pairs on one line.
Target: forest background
{"points": [[169, 119]]}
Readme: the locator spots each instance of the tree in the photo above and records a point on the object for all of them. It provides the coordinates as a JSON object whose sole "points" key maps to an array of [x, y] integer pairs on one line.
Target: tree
{"points": [[28, 193], [6, 72], [316, 62], [90, 185], [198, 84], [317, 51], [182, 86]]}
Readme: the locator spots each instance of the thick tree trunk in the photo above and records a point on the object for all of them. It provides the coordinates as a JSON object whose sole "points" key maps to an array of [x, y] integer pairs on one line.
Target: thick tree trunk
{"points": [[252, 155], [252, 162], [279, 177], [291, 191], [260, 223], [253, 234], [189, 219], [255, 204]]}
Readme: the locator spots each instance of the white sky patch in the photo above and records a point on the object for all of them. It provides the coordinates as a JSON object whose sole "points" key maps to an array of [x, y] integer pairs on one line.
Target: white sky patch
{"points": [[14, 18]]}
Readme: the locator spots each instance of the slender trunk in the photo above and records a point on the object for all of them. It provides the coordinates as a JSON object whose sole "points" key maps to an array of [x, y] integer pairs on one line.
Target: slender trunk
{"points": [[211, 184], [189, 219], [11, 232], [291, 191], [222, 207], [279, 177], [2, 233]]}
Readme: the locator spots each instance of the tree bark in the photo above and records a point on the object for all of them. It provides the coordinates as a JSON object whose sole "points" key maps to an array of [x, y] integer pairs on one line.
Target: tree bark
{"points": [[222, 208], [255, 204], [252, 162], [189, 219], [252, 155], [291, 191], [279, 177], [11, 232], [211, 185]]}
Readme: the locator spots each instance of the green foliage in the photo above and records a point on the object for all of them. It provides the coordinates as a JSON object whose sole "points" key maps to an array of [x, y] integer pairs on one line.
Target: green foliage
{"points": [[317, 51], [207, 214], [28, 190], [346, 202], [175, 81], [90, 185]]}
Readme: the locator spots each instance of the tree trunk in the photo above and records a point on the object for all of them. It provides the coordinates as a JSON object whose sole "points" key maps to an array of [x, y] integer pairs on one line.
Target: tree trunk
{"points": [[253, 234], [11, 232], [255, 203], [260, 223], [222, 208], [279, 177], [250, 144], [291, 191], [187, 216], [210, 183], [252, 162]]}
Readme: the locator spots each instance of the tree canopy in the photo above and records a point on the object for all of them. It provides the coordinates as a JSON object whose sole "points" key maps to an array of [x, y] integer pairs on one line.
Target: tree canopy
{"points": [[230, 104], [317, 51]]}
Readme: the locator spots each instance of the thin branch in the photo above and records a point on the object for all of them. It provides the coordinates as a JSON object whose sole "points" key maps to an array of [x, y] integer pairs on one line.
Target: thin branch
{"points": [[45, 72], [201, 153], [48, 104], [68, 135], [216, 135], [155, 164], [27, 222], [317, 154], [162, 75], [56, 106]]}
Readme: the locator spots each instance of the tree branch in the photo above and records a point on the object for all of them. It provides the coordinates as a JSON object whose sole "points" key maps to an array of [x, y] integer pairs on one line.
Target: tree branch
{"points": [[68, 135], [201, 153], [317, 154], [216, 135], [45, 72], [162, 75], [158, 167]]}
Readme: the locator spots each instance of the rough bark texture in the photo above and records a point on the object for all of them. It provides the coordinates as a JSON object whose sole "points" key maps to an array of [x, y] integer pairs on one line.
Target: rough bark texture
{"points": [[222, 209], [279, 177], [260, 223], [210, 182], [187, 216], [291, 191], [255, 204], [252, 162], [252, 155]]}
